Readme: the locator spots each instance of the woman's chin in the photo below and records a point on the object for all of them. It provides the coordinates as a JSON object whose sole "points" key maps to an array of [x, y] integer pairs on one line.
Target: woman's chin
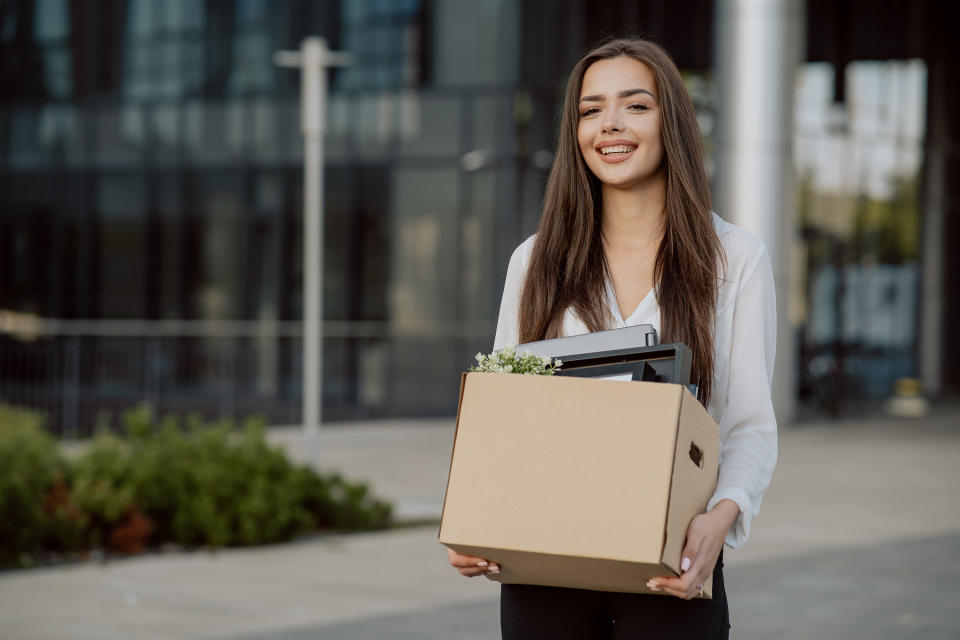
{"points": [[627, 181]]}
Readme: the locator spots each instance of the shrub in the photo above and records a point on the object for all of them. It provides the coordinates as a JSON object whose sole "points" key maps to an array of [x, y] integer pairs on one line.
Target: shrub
{"points": [[34, 511], [196, 484]]}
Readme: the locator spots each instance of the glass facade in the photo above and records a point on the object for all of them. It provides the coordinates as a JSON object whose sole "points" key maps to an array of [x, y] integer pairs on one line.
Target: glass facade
{"points": [[151, 203], [859, 165], [151, 196]]}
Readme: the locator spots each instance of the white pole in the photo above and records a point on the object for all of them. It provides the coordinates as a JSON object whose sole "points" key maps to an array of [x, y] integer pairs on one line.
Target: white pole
{"points": [[758, 48], [313, 59]]}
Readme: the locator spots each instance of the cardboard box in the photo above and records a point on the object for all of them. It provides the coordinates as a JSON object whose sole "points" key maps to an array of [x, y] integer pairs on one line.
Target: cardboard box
{"points": [[577, 482]]}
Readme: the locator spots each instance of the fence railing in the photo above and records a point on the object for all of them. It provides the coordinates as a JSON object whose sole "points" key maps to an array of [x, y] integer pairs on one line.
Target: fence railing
{"points": [[82, 373]]}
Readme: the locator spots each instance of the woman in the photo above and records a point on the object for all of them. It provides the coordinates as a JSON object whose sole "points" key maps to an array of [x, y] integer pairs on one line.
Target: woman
{"points": [[627, 237]]}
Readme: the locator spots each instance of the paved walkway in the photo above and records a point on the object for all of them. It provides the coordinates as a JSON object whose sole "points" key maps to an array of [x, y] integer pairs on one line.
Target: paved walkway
{"points": [[859, 537]]}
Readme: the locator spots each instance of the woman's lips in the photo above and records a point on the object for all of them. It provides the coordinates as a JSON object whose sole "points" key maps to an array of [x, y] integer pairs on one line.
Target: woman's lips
{"points": [[615, 153]]}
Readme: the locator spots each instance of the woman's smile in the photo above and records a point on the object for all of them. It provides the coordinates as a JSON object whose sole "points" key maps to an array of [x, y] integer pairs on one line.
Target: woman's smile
{"points": [[614, 151]]}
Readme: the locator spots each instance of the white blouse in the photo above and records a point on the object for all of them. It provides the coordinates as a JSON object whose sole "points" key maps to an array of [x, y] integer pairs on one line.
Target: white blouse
{"points": [[744, 348]]}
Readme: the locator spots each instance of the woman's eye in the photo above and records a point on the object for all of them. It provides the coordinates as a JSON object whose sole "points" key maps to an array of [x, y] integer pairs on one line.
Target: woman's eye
{"points": [[589, 112], [638, 107]]}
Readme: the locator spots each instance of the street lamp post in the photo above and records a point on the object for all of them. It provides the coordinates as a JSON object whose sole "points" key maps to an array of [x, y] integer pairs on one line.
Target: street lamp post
{"points": [[313, 58]]}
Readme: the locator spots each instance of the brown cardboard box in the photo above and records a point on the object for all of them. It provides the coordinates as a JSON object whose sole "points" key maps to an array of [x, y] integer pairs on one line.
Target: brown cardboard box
{"points": [[577, 482]]}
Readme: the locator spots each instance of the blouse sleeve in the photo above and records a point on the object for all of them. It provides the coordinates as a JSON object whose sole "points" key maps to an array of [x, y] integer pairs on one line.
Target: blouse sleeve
{"points": [[748, 426], [507, 323]]}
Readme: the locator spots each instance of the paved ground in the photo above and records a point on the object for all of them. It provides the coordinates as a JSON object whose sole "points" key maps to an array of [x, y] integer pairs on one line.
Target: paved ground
{"points": [[859, 537]]}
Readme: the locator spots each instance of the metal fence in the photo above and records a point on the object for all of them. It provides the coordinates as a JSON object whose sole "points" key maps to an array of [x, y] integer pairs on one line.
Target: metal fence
{"points": [[83, 374]]}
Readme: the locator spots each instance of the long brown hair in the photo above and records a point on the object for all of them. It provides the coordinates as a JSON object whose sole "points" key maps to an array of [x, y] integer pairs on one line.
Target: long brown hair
{"points": [[568, 267]]}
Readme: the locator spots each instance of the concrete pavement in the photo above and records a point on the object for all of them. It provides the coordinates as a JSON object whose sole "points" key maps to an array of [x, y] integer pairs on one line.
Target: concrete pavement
{"points": [[859, 537]]}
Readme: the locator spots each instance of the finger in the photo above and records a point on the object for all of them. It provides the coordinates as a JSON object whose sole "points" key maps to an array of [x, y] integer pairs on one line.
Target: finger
{"points": [[684, 587], [468, 562], [479, 571], [471, 566], [671, 586], [462, 560], [688, 557], [462, 557], [482, 566]]}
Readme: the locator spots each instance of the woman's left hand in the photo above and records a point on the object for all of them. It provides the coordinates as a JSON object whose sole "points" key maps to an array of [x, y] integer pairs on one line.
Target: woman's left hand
{"points": [[705, 537]]}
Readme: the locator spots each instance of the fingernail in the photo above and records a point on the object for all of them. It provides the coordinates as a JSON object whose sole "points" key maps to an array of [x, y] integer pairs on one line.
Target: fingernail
{"points": [[482, 563], [494, 569], [652, 585], [685, 564]]}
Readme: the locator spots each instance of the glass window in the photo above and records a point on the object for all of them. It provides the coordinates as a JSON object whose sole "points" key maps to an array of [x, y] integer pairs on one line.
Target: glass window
{"points": [[140, 20], [340, 107], [385, 40], [26, 149], [859, 166], [269, 196], [120, 134], [424, 273], [253, 67], [223, 270], [430, 125], [180, 14], [470, 43], [164, 122], [25, 239], [170, 212], [163, 48], [374, 123], [51, 20], [52, 133], [215, 131], [266, 138], [477, 230], [488, 113], [121, 205], [265, 248], [58, 72]]}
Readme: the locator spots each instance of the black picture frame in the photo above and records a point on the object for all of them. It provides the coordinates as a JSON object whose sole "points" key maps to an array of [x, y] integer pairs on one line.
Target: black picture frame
{"points": [[658, 363]]}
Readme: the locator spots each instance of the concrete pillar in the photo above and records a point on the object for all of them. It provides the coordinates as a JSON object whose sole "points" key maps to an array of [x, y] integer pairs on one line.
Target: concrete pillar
{"points": [[936, 151], [939, 338], [758, 46]]}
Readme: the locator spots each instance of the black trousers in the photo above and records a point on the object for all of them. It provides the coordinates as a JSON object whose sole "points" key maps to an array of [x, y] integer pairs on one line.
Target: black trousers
{"points": [[529, 612]]}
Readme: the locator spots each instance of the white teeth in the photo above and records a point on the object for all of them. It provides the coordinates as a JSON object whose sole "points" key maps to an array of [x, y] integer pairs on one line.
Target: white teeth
{"points": [[620, 148]]}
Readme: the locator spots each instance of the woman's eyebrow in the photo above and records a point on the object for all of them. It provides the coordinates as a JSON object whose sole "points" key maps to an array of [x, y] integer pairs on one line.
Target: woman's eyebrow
{"points": [[626, 93]]}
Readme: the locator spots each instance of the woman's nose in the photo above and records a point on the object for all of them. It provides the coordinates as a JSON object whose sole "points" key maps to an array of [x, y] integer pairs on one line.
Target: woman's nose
{"points": [[611, 123]]}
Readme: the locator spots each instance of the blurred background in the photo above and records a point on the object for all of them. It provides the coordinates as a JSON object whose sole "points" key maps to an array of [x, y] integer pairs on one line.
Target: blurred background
{"points": [[151, 171]]}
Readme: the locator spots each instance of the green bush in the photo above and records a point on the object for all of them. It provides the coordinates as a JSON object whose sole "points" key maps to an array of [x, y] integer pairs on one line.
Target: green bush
{"points": [[195, 485], [34, 510]]}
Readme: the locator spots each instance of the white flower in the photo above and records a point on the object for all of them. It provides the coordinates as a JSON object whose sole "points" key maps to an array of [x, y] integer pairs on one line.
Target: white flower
{"points": [[508, 360]]}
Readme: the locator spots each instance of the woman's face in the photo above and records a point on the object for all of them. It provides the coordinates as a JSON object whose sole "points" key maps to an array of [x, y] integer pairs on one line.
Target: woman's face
{"points": [[619, 126]]}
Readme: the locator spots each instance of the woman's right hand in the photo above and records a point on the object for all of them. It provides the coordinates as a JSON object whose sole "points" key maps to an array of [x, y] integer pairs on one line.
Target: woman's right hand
{"points": [[471, 566]]}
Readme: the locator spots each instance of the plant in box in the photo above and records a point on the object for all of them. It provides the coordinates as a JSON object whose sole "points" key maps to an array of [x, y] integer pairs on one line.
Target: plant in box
{"points": [[509, 361]]}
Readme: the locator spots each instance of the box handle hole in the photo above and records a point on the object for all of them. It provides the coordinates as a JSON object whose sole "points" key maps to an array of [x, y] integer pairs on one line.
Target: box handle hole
{"points": [[696, 454]]}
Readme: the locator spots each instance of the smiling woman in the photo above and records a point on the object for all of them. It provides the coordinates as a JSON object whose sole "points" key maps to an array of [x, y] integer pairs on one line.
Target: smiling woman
{"points": [[641, 221], [627, 237]]}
